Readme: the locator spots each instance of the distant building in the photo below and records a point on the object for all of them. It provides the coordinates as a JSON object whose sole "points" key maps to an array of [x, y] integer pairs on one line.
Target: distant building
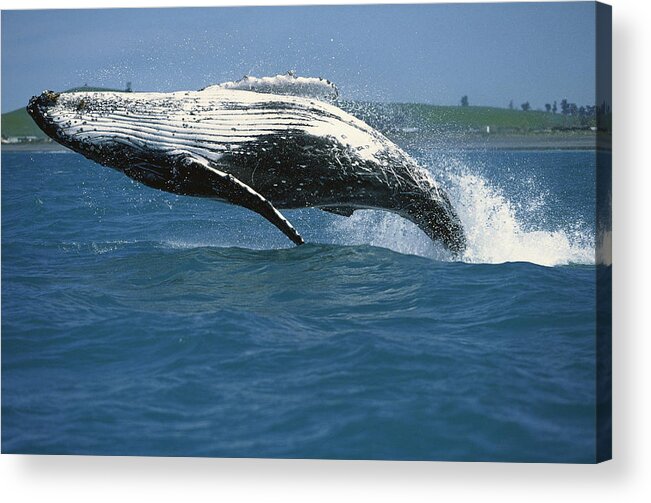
{"points": [[19, 139]]}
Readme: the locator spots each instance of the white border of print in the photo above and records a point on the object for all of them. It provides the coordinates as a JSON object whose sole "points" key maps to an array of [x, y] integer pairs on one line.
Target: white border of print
{"points": [[111, 479]]}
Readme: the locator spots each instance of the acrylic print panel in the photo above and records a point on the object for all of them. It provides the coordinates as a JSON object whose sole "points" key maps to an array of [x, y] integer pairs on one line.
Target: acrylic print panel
{"points": [[313, 242]]}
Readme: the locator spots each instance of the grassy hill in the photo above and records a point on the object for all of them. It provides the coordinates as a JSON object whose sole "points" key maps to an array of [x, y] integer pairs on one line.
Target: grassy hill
{"points": [[497, 118], [435, 118], [19, 123]]}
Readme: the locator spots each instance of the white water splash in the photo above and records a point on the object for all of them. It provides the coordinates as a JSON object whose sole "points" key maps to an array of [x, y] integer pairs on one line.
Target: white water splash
{"points": [[494, 232], [496, 235], [386, 230]]}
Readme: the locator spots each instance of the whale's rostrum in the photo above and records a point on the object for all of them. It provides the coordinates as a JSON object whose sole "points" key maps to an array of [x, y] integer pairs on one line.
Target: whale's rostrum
{"points": [[261, 143]]}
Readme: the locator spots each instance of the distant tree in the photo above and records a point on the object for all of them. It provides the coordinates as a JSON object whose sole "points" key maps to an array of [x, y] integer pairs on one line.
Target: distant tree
{"points": [[526, 106], [128, 89], [565, 107], [548, 107], [511, 105], [554, 107], [464, 101], [574, 110]]}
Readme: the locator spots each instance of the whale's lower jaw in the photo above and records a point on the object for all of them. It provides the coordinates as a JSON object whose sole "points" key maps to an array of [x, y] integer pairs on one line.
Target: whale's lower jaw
{"points": [[262, 153]]}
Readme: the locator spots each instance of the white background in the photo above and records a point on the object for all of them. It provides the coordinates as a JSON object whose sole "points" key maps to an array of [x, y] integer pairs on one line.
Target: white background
{"points": [[627, 478]]}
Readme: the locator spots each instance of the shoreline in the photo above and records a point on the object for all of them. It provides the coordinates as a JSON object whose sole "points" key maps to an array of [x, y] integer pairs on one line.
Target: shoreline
{"points": [[34, 147], [513, 142]]}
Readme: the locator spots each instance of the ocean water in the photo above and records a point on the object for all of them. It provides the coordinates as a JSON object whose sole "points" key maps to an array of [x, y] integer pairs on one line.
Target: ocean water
{"points": [[136, 322]]}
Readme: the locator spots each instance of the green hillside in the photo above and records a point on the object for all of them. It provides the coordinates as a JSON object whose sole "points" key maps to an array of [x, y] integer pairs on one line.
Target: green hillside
{"points": [[19, 123], [391, 116], [496, 118], [91, 89]]}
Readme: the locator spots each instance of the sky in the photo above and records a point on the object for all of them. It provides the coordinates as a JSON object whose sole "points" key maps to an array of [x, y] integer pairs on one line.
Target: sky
{"points": [[493, 53]]}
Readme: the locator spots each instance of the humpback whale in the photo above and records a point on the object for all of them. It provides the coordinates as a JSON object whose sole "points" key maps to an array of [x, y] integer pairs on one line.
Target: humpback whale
{"points": [[262, 143]]}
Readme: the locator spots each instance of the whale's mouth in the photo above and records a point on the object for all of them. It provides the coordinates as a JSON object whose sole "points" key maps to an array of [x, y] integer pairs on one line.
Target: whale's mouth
{"points": [[39, 108], [39, 105], [65, 117]]}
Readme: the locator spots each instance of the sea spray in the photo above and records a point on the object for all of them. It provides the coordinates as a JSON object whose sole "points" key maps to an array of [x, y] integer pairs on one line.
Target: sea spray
{"points": [[497, 228], [495, 234]]}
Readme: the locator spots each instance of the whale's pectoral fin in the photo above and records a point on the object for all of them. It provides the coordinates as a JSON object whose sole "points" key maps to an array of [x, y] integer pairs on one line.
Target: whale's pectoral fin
{"points": [[234, 191], [345, 211]]}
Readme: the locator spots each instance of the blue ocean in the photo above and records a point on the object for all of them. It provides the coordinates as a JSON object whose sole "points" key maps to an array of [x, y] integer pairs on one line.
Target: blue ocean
{"points": [[136, 322]]}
